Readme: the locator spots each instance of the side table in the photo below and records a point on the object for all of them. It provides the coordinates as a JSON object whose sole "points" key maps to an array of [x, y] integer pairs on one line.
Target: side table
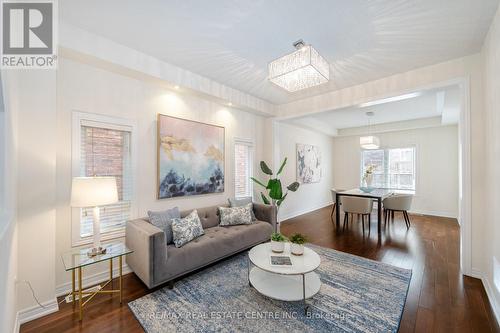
{"points": [[75, 260]]}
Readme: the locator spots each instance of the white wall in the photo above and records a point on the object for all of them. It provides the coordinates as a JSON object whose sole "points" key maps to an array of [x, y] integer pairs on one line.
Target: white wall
{"points": [[489, 268], [309, 196], [36, 188], [8, 225], [85, 88], [436, 167]]}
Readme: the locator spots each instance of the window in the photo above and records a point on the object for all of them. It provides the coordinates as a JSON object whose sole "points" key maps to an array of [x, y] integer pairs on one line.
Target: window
{"points": [[103, 147], [243, 159], [394, 167]]}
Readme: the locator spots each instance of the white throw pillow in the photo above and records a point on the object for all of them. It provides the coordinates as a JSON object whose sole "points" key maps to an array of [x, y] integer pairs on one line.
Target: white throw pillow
{"points": [[186, 229], [236, 215]]}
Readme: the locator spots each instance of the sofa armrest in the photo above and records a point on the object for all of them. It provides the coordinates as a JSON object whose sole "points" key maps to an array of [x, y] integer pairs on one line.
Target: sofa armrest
{"points": [[266, 213], [149, 246]]}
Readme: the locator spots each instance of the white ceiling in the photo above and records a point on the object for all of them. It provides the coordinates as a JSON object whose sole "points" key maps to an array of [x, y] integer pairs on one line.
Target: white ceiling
{"points": [[232, 41], [444, 103]]}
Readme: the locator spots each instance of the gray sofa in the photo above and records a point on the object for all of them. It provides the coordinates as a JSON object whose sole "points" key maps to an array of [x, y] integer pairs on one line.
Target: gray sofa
{"points": [[155, 262]]}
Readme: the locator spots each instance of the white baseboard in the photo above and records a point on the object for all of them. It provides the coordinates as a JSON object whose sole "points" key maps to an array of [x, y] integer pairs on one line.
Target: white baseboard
{"points": [[417, 212], [495, 304], [91, 280], [17, 325], [303, 211], [35, 312], [433, 213]]}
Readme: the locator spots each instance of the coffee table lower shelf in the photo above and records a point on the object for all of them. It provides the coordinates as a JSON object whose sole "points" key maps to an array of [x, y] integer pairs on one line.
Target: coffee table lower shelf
{"points": [[284, 287]]}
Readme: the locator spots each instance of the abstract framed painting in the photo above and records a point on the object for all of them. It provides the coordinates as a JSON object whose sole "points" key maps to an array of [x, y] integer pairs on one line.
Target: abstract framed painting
{"points": [[190, 157], [308, 164]]}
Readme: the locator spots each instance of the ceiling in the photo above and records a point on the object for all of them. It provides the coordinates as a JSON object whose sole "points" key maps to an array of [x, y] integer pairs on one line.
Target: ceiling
{"points": [[443, 103], [232, 41]]}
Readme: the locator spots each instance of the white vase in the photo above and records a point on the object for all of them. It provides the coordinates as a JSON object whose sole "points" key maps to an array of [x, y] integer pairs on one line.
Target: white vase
{"points": [[297, 249], [369, 180], [277, 247]]}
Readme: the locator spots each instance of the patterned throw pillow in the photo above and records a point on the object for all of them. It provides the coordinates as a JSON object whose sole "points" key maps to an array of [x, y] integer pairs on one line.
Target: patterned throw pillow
{"points": [[187, 229], [163, 220], [235, 215], [242, 202]]}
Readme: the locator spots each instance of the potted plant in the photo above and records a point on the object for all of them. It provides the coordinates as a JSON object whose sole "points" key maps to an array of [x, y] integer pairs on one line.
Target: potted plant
{"points": [[297, 246], [278, 242], [275, 191]]}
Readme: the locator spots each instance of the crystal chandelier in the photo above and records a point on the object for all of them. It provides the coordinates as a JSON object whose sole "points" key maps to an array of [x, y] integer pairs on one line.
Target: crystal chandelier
{"points": [[299, 70]]}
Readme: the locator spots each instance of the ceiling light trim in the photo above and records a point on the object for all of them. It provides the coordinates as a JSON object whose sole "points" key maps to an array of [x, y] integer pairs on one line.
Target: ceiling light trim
{"points": [[391, 99]]}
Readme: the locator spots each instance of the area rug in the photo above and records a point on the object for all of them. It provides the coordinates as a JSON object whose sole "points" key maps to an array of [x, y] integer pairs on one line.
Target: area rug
{"points": [[356, 295]]}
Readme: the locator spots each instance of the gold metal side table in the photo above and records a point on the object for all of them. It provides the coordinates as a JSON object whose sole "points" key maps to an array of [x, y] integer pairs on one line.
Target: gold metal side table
{"points": [[75, 260]]}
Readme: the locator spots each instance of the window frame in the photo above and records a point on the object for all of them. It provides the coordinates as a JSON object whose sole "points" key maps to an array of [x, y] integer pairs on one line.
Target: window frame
{"points": [[250, 144], [114, 123], [386, 149]]}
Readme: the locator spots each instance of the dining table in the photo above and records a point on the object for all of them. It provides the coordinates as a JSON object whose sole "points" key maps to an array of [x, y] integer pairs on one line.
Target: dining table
{"points": [[378, 194]]}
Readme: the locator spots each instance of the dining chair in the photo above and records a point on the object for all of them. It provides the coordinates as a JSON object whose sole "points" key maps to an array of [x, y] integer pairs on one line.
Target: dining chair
{"points": [[359, 206], [398, 203], [334, 199]]}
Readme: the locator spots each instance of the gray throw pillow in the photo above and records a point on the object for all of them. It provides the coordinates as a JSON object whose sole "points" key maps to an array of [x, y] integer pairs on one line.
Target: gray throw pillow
{"points": [[163, 220], [242, 202], [187, 229], [235, 215]]}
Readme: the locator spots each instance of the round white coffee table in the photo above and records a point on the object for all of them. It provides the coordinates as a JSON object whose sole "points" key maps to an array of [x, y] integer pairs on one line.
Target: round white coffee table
{"points": [[285, 283]]}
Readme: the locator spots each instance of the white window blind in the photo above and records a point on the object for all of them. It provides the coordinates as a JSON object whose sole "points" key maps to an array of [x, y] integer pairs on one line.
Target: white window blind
{"points": [[394, 167], [243, 169], [107, 152]]}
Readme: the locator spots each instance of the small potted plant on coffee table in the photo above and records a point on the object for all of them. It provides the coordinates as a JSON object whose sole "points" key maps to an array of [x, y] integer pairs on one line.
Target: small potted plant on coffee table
{"points": [[297, 246], [278, 242]]}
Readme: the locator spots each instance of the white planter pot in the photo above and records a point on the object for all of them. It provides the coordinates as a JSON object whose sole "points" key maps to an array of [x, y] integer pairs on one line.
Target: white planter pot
{"points": [[297, 249], [277, 247]]}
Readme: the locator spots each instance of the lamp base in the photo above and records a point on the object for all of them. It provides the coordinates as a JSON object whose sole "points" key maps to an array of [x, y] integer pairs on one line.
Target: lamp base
{"points": [[96, 251]]}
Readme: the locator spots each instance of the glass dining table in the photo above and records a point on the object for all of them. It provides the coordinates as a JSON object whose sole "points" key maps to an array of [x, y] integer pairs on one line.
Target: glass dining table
{"points": [[378, 194]]}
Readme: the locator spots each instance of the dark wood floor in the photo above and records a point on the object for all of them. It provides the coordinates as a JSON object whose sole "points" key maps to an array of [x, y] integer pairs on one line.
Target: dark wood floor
{"points": [[440, 299]]}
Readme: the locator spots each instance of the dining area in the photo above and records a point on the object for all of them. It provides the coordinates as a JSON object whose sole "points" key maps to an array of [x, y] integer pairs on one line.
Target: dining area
{"points": [[360, 202]]}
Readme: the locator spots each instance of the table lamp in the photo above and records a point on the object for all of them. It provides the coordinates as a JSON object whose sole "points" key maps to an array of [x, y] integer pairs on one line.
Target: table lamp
{"points": [[94, 192]]}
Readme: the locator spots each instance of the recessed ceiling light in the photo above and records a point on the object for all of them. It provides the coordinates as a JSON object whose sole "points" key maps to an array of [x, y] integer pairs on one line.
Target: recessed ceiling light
{"points": [[230, 104], [391, 99], [176, 87]]}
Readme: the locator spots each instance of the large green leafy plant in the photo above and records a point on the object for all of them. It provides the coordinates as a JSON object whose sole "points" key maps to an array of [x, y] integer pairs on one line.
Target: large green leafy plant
{"points": [[275, 194]]}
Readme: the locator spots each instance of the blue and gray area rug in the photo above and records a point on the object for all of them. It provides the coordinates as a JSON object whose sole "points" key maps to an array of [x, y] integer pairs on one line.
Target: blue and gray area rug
{"points": [[357, 295]]}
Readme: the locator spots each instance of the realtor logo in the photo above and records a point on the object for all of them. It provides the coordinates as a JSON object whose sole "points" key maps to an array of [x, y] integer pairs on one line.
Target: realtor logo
{"points": [[28, 34]]}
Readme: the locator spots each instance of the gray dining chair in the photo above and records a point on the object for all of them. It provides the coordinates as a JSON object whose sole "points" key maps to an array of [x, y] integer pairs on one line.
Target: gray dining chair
{"points": [[398, 203], [359, 206]]}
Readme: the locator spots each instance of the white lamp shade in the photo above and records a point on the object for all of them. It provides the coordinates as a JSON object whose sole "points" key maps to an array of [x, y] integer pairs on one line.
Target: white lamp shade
{"points": [[93, 191], [369, 142]]}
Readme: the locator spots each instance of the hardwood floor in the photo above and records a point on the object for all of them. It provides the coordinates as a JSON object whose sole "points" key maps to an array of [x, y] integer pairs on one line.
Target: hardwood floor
{"points": [[439, 298]]}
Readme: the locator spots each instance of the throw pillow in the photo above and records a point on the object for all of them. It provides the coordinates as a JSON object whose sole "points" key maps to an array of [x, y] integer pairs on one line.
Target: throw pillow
{"points": [[163, 220], [235, 215], [186, 229], [242, 202]]}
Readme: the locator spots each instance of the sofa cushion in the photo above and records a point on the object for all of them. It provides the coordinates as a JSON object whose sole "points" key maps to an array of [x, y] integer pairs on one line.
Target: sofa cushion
{"points": [[242, 202], [186, 229], [216, 243], [163, 220], [209, 216], [235, 215]]}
